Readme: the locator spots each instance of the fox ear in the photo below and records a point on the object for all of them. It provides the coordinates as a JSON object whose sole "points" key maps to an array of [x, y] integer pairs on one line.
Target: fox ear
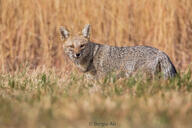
{"points": [[64, 33], [86, 31]]}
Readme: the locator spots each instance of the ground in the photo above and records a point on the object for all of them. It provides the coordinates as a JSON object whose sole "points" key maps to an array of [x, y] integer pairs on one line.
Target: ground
{"points": [[44, 98]]}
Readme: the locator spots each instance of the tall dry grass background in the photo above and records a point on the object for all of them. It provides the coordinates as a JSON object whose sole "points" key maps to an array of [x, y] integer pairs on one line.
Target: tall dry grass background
{"points": [[29, 28]]}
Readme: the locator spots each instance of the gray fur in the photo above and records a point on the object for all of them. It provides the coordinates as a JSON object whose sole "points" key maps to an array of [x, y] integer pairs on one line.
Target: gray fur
{"points": [[98, 60]]}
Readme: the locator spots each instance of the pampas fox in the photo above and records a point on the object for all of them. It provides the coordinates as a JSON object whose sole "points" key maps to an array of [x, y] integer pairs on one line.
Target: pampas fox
{"points": [[98, 60]]}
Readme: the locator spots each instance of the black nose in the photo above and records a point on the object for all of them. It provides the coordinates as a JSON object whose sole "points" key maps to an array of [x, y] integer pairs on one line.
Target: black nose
{"points": [[78, 54]]}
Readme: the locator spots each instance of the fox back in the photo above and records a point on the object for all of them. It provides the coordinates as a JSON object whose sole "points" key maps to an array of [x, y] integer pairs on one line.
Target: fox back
{"points": [[98, 60]]}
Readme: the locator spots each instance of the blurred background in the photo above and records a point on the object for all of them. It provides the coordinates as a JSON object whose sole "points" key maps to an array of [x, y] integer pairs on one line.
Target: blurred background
{"points": [[29, 29]]}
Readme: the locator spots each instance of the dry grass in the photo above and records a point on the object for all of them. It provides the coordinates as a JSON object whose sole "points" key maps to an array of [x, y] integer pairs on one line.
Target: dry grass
{"points": [[29, 29], [43, 99]]}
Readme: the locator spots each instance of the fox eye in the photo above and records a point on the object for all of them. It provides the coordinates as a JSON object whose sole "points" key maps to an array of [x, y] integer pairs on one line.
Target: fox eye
{"points": [[81, 46], [71, 46]]}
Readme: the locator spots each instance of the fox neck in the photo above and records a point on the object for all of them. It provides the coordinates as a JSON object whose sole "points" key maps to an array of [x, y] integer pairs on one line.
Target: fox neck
{"points": [[86, 63]]}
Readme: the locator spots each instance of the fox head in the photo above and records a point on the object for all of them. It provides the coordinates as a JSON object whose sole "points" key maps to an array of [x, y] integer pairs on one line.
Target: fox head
{"points": [[76, 47]]}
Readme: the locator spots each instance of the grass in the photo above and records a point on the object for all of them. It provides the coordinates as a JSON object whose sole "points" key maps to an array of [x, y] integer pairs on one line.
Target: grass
{"points": [[45, 98]]}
